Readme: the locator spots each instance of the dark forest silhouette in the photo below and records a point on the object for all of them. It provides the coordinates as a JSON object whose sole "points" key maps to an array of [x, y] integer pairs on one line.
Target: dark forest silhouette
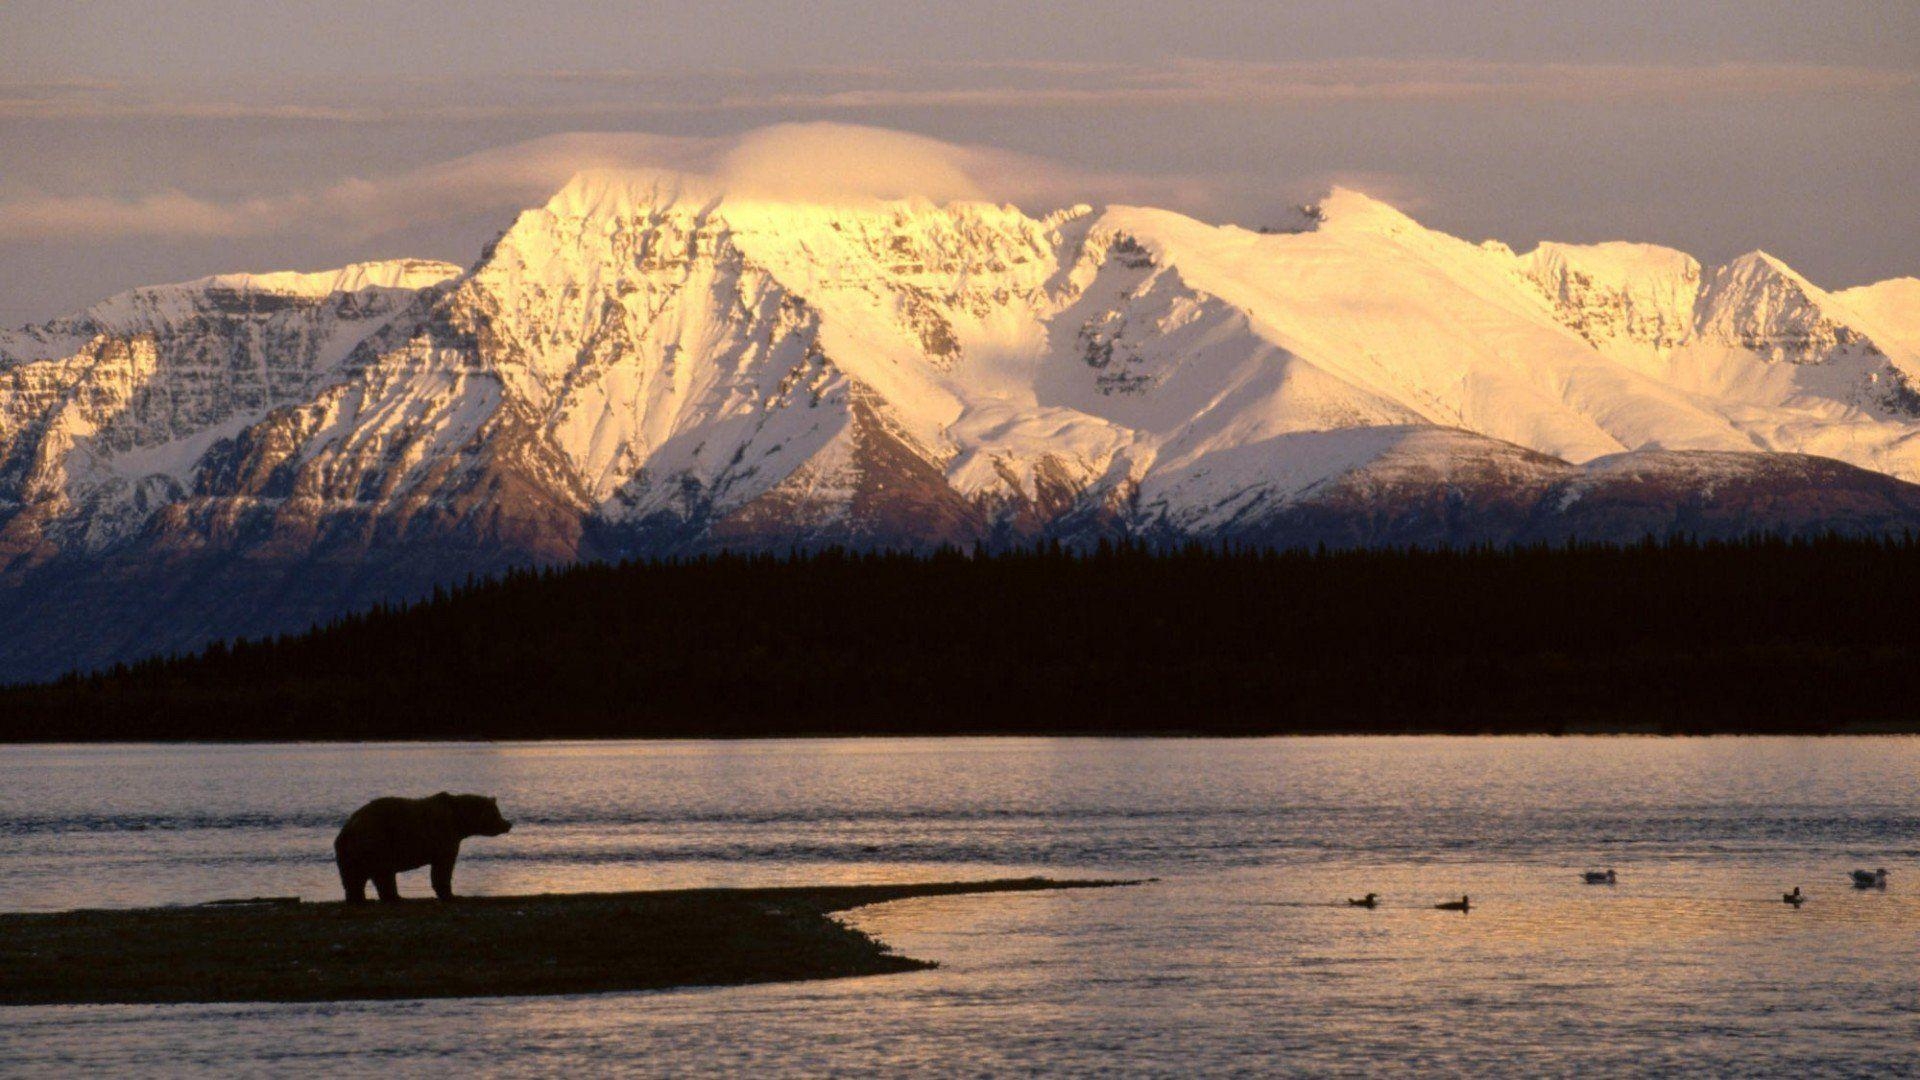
{"points": [[1756, 636]]}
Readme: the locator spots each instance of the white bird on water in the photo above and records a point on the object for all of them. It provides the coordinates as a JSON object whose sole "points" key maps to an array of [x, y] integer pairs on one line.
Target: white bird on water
{"points": [[1600, 877], [1869, 879]]}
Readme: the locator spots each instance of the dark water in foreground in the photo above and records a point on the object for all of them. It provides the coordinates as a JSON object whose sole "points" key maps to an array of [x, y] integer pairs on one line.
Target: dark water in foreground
{"points": [[1238, 960]]}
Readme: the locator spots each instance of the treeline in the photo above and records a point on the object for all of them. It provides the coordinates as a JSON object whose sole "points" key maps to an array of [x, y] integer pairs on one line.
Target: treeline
{"points": [[1812, 636]]}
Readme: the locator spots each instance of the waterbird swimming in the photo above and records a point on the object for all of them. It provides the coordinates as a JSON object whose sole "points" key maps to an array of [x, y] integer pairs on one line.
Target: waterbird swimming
{"points": [[1870, 879], [1599, 877], [1370, 900], [1794, 897], [1463, 904]]}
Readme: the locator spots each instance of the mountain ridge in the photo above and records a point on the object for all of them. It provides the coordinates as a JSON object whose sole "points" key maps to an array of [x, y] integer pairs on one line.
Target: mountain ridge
{"points": [[648, 364]]}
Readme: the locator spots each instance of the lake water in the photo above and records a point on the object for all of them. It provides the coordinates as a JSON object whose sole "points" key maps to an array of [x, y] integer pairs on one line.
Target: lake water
{"points": [[1241, 959]]}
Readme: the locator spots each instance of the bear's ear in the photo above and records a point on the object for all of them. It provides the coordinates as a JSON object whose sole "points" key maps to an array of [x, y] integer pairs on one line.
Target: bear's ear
{"points": [[443, 795]]}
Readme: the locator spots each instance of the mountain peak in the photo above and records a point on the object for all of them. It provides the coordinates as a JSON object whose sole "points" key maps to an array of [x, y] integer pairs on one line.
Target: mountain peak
{"points": [[1759, 303], [150, 306], [598, 193], [1617, 291], [1757, 271], [1616, 260], [377, 274], [1350, 208]]}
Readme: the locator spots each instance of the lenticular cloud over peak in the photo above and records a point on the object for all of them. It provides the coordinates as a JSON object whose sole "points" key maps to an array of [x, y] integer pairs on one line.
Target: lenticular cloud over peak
{"points": [[852, 164], [838, 163], [820, 163], [825, 163]]}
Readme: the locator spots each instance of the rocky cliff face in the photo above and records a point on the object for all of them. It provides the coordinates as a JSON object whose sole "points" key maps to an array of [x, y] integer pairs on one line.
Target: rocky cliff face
{"points": [[639, 367], [108, 417]]}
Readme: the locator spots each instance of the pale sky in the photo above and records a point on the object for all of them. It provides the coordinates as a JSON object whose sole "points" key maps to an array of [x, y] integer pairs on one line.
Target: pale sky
{"points": [[154, 141]]}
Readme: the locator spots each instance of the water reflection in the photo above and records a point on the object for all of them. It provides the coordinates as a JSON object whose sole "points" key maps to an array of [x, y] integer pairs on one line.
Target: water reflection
{"points": [[1244, 957]]}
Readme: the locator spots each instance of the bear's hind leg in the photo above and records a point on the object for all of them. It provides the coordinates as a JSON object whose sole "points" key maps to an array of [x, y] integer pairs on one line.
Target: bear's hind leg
{"points": [[387, 886]]}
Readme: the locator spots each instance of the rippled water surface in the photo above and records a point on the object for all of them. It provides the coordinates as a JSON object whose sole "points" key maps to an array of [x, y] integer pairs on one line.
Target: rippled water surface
{"points": [[1241, 958]]}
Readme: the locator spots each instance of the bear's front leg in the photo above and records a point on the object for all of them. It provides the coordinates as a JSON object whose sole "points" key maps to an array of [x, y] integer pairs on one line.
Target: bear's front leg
{"points": [[442, 873], [387, 884], [354, 882]]}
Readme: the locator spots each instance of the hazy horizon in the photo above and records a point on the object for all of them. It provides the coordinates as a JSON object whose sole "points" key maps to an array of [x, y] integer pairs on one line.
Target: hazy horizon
{"points": [[160, 142]]}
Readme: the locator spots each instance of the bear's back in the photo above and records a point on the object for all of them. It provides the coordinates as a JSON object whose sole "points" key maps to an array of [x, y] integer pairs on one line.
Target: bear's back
{"points": [[400, 826]]}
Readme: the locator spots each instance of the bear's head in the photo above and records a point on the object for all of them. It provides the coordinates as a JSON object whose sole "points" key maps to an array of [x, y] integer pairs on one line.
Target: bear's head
{"points": [[477, 815]]}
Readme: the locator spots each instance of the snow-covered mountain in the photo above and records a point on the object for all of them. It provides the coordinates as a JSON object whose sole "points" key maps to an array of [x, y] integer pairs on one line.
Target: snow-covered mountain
{"points": [[649, 364]]}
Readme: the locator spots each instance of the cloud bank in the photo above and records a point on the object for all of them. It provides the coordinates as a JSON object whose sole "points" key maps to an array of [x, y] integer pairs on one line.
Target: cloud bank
{"points": [[824, 162], [801, 160], [555, 95]]}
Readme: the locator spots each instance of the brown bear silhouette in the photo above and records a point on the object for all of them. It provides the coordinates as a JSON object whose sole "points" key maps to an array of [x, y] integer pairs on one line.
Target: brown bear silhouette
{"points": [[390, 835]]}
